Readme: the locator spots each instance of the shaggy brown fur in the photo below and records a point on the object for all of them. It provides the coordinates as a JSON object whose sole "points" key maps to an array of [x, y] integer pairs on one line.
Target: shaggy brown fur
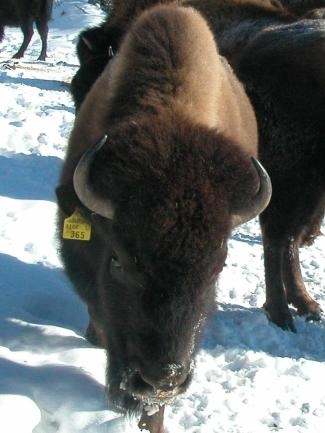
{"points": [[195, 96], [177, 168], [22, 13], [95, 44]]}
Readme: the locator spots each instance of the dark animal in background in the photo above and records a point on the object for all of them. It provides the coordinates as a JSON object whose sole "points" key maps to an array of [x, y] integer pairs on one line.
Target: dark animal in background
{"points": [[93, 54], [97, 46], [23, 14], [171, 177], [289, 99], [280, 58]]}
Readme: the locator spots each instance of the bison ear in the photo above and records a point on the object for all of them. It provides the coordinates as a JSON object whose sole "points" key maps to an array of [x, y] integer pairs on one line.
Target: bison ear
{"points": [[67, 199]]}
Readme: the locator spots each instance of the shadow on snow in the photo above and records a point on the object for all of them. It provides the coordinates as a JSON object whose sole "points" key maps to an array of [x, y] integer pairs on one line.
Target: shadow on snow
{"points": [[29, 177], [38, 295], [235, 326], [39, 83], [38, 315]]}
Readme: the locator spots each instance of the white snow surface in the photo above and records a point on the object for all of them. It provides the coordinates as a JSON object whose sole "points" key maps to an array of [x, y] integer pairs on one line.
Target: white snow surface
{"points": [[251, 377]]}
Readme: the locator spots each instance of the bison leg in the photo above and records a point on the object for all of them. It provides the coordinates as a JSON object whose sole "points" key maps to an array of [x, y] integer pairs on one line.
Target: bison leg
{"points": [[153, 423], [43, 29], [276, 304], [27, 29], [313, 229], [284, 230], [297, 294]]}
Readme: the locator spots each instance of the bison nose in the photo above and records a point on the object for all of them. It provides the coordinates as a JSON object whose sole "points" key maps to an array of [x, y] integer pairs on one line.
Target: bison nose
{"points": [[163, 383], [167, 377]]}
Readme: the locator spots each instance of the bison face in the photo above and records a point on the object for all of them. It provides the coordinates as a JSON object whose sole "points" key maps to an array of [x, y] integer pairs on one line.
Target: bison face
{"points": [[153, 307], [165, 202]]}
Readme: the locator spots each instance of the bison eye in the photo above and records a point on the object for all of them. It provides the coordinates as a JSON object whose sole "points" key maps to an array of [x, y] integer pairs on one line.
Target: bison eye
{"points": [[115, 263]]}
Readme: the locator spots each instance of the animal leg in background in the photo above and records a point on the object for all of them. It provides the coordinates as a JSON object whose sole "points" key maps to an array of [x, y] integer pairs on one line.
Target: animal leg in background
{"points": [[283, 278], [43, 29], [27, 29], [293, 280], [23, 14]]}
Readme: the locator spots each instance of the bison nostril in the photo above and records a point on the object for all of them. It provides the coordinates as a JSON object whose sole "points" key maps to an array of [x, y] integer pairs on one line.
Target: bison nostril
{"points": [[170, 382], [138, 385], [167, 380], [158, 383]]}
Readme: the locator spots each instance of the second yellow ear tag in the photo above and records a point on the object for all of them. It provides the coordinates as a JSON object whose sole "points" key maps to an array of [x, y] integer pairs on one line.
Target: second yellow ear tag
{"points": [[76, 227]]}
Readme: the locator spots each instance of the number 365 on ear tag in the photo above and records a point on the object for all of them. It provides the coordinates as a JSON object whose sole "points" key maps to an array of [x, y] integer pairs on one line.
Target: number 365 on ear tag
{"points": [[76, 227]]}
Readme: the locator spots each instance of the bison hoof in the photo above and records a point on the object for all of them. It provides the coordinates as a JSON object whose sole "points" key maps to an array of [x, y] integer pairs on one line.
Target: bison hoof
{"points": [[307, 307], [314, 315], [17, 56], [281, 318]]}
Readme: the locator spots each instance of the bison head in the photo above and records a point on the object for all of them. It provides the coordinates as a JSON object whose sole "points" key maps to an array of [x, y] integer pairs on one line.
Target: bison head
{"points": [[163, 201]]}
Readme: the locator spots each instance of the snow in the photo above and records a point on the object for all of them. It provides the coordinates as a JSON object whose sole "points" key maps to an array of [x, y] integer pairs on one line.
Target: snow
{"points": [[250, 377]]}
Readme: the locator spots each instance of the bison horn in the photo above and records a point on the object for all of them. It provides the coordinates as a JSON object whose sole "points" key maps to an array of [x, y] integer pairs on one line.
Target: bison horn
{"points": [[87, 43], [82, 188], [260, 201]]}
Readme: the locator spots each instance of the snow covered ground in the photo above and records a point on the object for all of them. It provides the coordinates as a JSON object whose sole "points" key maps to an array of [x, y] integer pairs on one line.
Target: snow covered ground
{"points": [[251, 376]]}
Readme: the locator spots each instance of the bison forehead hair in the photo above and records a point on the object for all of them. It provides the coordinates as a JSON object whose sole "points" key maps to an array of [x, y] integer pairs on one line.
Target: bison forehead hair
{"points": [[172, 187]]}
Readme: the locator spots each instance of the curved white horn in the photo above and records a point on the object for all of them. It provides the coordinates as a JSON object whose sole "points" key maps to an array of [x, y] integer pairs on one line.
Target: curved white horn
{"points": [[82, 188], [260, 201]]}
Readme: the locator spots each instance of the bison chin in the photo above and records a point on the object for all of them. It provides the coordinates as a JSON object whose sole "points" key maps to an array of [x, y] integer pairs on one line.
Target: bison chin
{"points": [[139, 396], [121, 401]]}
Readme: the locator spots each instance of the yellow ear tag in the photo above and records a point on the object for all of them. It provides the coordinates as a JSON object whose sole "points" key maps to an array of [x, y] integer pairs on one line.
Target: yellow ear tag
{"points": [[76, 227]]}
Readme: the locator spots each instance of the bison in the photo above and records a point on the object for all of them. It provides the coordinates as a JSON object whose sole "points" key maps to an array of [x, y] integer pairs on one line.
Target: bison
{"points": [[160, 168], [22, 13], [279, 55]]}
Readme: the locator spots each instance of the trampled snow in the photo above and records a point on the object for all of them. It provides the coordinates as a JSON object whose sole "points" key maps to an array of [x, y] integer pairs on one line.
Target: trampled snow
{"points": [[251, 377]]}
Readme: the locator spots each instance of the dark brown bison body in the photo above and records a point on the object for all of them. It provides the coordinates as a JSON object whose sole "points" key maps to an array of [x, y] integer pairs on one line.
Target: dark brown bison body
{"points": [[289, 99], [279, 57], [171, 177], [23, 14]]}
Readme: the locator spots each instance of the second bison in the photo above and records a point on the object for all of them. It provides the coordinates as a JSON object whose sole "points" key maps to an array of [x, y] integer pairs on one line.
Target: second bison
{"points": [[23, 14]]}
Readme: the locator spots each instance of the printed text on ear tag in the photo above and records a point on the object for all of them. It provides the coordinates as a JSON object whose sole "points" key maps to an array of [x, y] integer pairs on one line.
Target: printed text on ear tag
{"points": [[76, 227]]}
